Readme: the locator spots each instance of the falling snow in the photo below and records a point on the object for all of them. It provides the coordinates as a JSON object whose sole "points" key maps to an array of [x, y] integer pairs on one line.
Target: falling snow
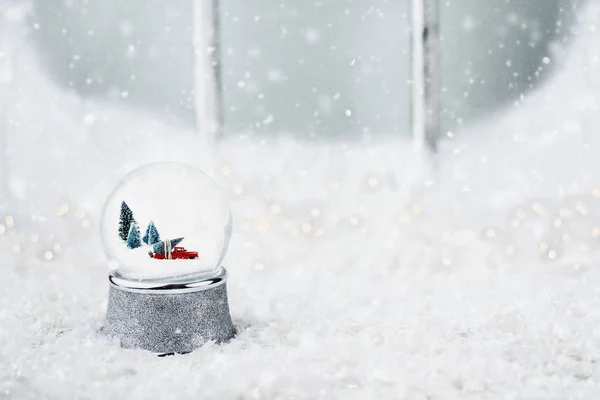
{"points": [[355, 271]]}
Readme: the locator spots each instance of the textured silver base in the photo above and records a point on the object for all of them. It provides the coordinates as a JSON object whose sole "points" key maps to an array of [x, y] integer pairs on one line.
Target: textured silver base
{"points": [[168, 319]]}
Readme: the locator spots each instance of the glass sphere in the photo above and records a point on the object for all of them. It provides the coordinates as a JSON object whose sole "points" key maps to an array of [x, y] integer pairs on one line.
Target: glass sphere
{"points": [[166, 221]]}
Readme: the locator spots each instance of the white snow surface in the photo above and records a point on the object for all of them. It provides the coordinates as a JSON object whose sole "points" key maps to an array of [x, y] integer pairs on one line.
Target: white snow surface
{"points": [[354, 273]]}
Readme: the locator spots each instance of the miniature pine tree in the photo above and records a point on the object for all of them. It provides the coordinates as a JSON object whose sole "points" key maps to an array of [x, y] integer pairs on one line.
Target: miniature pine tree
{"points": [[133, 238], [151, 236], [159, 248], [125, 221], [175, 242], [154, 236]]}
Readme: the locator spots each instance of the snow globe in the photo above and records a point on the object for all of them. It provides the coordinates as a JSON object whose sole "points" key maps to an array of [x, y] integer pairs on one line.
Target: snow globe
{"points": [[166, 229]]}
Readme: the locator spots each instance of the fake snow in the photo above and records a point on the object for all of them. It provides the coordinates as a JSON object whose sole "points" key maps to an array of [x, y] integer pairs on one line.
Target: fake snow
{"points": [[354, 273]]}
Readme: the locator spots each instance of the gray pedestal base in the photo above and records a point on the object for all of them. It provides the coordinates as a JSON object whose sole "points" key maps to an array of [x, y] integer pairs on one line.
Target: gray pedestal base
{"points": [[173, 318]]}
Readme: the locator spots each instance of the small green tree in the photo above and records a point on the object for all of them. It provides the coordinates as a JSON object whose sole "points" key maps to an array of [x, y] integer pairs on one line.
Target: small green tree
{"points": [[159, 248], [133, 238], [151, 236], [125, 221], [175, 242]]}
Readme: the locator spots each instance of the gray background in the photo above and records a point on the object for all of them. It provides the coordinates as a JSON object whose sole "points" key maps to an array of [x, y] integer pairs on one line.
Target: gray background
{"points": [[324, 69]]}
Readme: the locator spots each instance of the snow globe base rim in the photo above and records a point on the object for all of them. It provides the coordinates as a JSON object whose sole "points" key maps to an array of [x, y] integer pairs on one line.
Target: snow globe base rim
{"points": [[185, 284], [168, 321]]}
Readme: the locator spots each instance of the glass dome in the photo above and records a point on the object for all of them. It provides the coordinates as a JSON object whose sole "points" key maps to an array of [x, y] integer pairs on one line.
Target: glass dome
{"points": [[166, 221]]}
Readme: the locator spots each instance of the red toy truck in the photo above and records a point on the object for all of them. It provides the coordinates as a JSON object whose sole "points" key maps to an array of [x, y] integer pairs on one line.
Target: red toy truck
{"points": [[178, 253]]}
